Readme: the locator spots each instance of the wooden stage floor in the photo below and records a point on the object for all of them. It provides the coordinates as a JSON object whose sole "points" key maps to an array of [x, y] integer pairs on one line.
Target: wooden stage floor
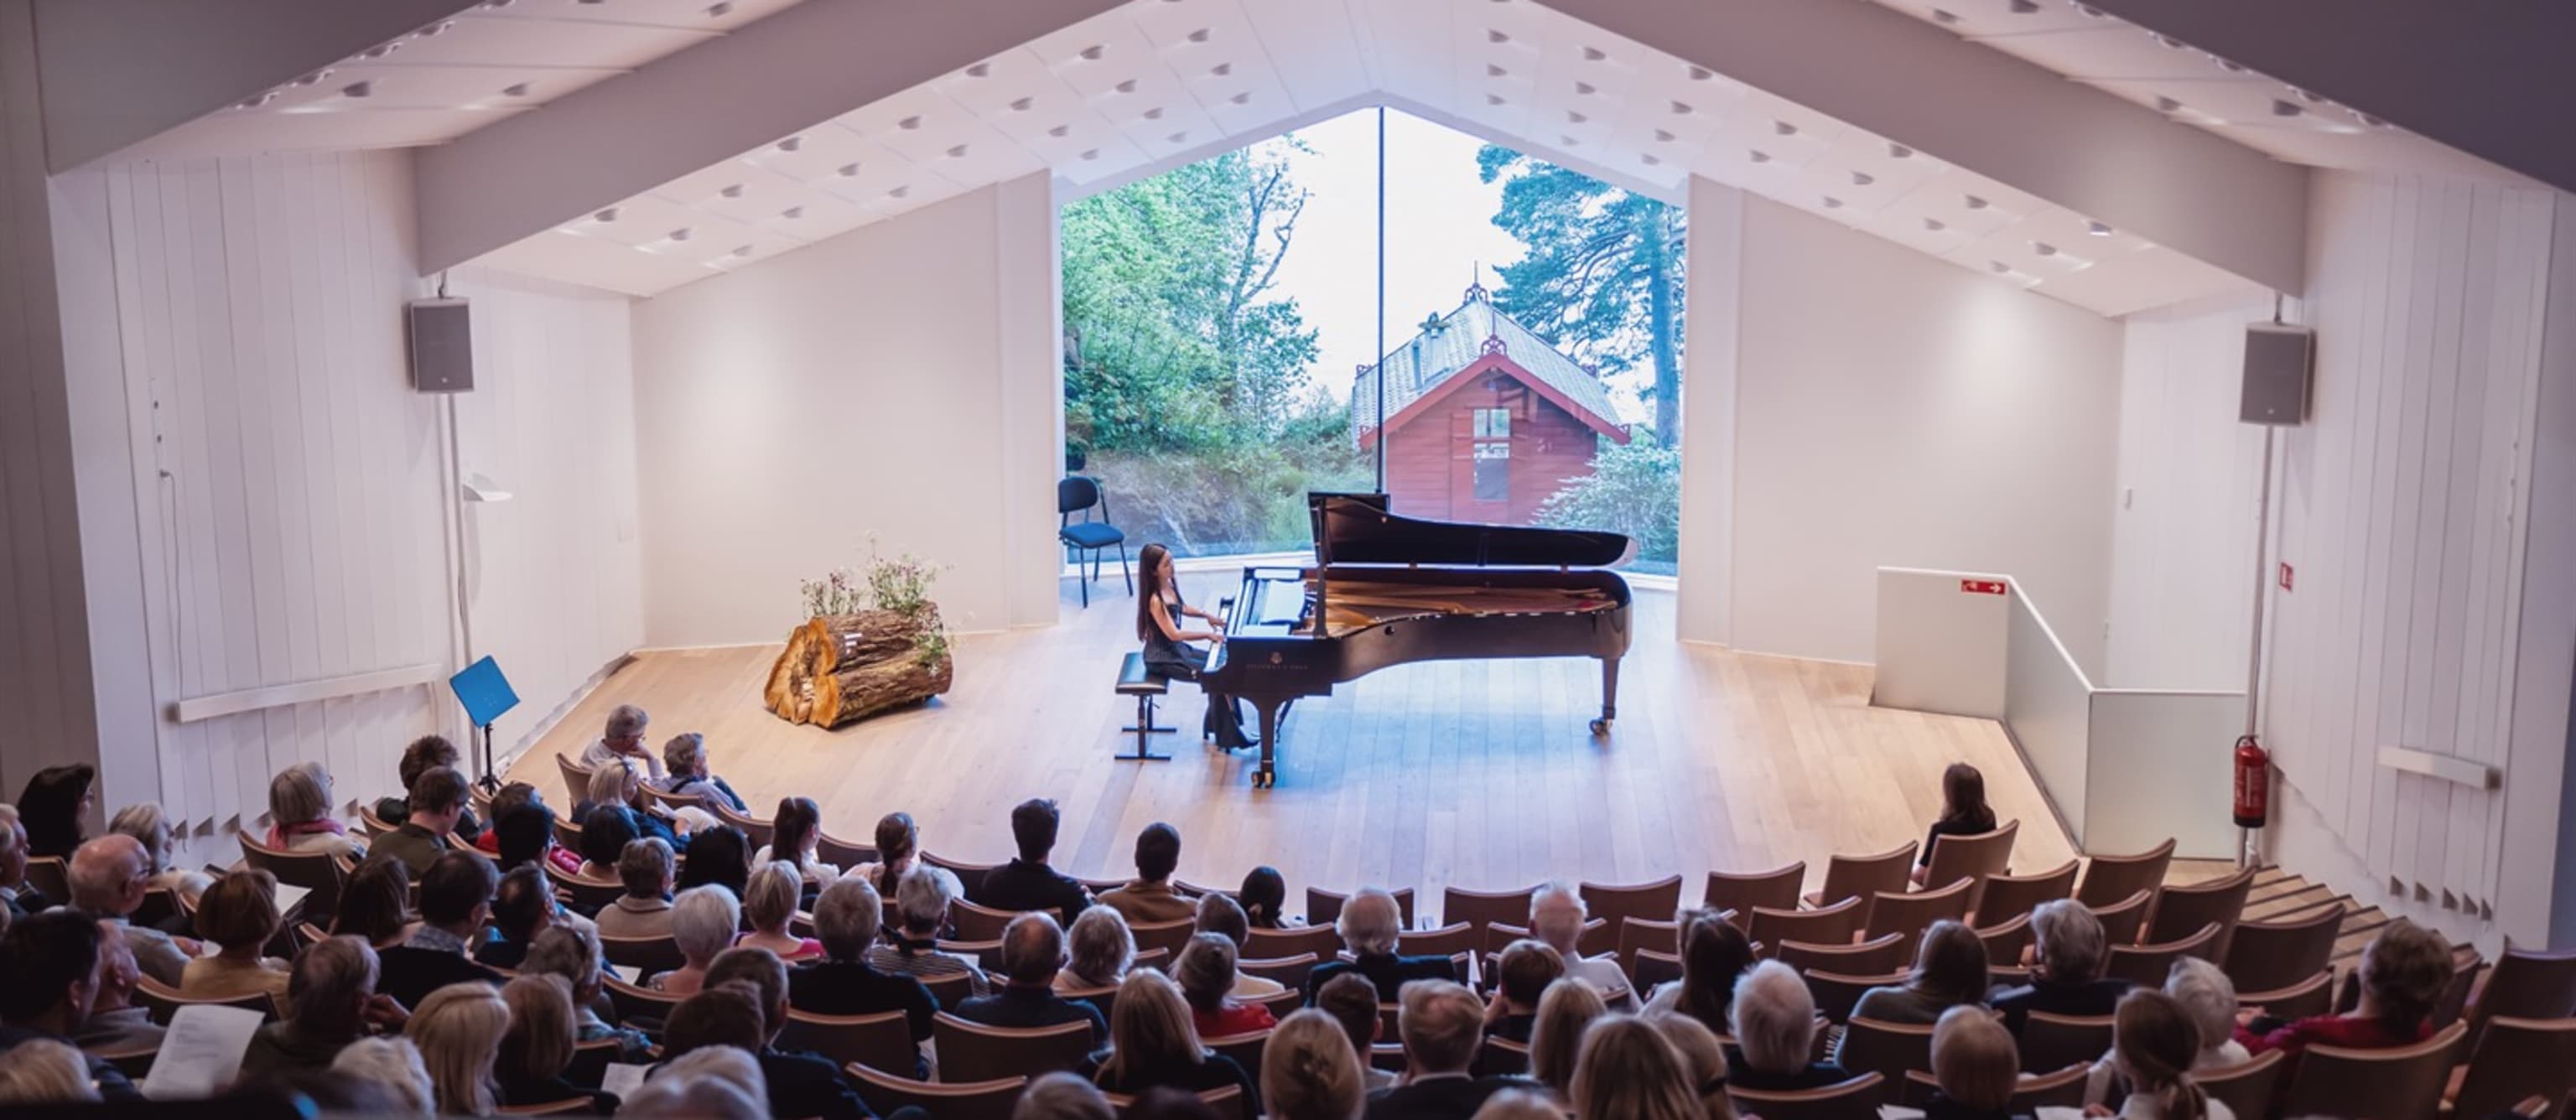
{"points": [[1478, 774]]}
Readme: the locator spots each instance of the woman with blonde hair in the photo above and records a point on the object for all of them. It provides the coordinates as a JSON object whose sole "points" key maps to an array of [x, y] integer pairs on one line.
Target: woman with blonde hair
{"points": [[459, 1030], [2153, 1043], [1151, 1043], [148, 825], [1309, 1071], [539, 1045], [1565, 1010], [768, 903], [393, 1066], [1627, 1070], [44, 1071], [1703, 1058], [703, 921], [239, 914], [1975, 1065], [619, 782], [793, 831], [1098, 950], [299, 814]]}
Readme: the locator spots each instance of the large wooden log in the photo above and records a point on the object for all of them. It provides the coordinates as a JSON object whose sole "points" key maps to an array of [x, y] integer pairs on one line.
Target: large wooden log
{"points": [[841, 640], [790, 675], [852, 691]]}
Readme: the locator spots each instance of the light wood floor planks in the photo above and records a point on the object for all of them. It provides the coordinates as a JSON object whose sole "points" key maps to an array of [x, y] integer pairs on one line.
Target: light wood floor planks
{"points": [[1478, 774]]}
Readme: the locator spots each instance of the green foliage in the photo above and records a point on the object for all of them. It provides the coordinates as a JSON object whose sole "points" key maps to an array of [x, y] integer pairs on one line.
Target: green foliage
{"points": [[1634, 489]]}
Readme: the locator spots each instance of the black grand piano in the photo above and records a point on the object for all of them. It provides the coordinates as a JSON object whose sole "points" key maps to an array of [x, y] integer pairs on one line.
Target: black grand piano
{"points": [[1386, 590]]}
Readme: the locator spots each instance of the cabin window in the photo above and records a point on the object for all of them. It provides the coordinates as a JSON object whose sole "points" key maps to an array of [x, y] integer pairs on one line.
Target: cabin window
{"points": [[1494, 472], [1493, 423]]}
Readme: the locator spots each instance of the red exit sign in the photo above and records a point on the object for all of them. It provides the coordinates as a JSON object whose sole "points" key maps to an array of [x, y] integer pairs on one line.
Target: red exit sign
{"points": [[2288, 576], [1981, 587]]}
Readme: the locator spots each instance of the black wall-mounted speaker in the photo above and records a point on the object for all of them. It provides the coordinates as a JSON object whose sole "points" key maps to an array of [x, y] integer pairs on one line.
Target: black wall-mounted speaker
{"points": [[2280, 361], [442, 346]]}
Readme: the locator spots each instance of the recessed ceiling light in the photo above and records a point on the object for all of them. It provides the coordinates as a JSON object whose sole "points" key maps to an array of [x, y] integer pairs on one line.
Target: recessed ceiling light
{"points": [[605, 216], [1493, 99], [2025, 7], [1128, 86], [1648, 159], [1663, 137], [1022, 104], [792, 143], [2171, 43], [1973, 202], [2098, 229], [1181, 137], [909, 124], [1999, 267], [2168, 105], [1584, 89], [1944, 16], [1701, 73], [1681, 109], [1060, 131], [1493, 71], [720, 10], [1221, 69], [359, 89], [497, 5], [957, 152], [382, 49], [734, 191], [848, 171], [742, 250], [2043, 248], [2367, 119], [1783, 128], [2282, 108], [1199, 36], [1154, 114], [899, 192], [518, 90], [2310, 98], [980, 69], [1241, 99], [683, 233], [1935, 225], [314, 78], [1493, 36], [1759, 156], [1569, 141], [1093, 52], [1863, 178], [1899, 151], [256, 102], [2229, 66], [1572, 117], [2090, 10], [1832, 203], [792, 213], [1091, 153], [1594, 54]]}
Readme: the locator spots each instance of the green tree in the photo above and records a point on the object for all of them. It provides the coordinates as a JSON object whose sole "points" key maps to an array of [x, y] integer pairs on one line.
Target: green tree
{"points": [[1634, 489], [1603, 274]]}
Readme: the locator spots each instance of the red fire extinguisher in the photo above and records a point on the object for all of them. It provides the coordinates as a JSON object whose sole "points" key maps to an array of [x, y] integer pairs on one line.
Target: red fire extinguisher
{"points": [[2253, 783]]}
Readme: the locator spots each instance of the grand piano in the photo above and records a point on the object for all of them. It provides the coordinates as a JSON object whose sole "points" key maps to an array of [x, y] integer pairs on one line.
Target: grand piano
{"points": [[1387, 590]]}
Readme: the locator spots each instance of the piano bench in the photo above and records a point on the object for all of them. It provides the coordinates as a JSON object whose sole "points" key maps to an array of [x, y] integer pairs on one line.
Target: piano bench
{"points": [[1137, 680]]}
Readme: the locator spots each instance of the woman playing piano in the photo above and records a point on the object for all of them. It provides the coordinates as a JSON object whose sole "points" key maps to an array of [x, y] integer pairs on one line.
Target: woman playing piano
{"points": [[1159, 611]]}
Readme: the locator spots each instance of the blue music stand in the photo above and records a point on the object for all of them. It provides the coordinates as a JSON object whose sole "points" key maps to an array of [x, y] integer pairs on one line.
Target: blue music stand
{"points": [[486, 694]]}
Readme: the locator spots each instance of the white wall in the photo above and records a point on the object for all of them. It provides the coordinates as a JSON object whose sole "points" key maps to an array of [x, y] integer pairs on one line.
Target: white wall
{"points": [[1892, 409], [882, 384]]}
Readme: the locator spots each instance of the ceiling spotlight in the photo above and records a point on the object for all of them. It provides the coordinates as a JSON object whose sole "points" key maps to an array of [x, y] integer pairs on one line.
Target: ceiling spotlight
{"points": [[720, 10], [1241, 99], [519, 90], [1091, 153], [1701, 73], [734, 191], [1759, 156], [792, 143], [313, 79], [497, 5], [683, 233], [605, 216], [2369, 120], [1154, 114], [1681, 109], [1493, 99], [2171, 43], [792, 213], [1093, 52], [899, 192], [1199, 36], [1783, 128], [359, 89], [958, 152], [742, 250], [1663, 137], [1181, 137], [1974, 202], [436, 29], [1492, 36], [1944, 16], [2043, 248], [1935, 225], [2090, 10], [2000, 267], [382, 49], [2229, 66], [1221, 69], [909, 124], [1128, 86], [1649, 160], [2282, 108], [1584, 89], [2025, 7], [848, 171], [1493, 71], [979, 70], [1832, 203], [1863, 178], [2168, 105], [1572, 117], [1021, 104], [1593, 54], [2310, 98], [258, 101], [1060, 131], [1899, 151], [2098, 229]]}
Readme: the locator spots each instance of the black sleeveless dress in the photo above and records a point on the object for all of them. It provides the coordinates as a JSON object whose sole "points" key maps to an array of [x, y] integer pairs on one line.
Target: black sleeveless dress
{"points": [[1183, 661]]}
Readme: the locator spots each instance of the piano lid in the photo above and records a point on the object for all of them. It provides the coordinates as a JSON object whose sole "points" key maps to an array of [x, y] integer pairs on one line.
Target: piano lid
{"points": [[1357, 529]]}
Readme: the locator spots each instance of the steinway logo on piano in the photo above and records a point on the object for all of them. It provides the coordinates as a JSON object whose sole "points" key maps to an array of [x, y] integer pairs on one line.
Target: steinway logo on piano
{"points": [[1275, 657]]}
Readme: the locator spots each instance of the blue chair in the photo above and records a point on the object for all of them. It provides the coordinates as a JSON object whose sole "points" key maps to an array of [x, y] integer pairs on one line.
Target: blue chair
{"points": [[1089, 535]]}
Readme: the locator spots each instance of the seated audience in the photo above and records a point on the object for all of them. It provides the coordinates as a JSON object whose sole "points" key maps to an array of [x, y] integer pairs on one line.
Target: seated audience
{"points": [[2066, 978], [793, 831], [1774, 1020], [1205, 972], [605, 832], [330, 1002], [1703, 1057], [1949, 970], [1443, 1025], [55, 806], [458, 1030], [1963, 812], [523, 906], [1626, 1069], [437, 804], [1148, 898], [538, 1045], [1369, 924], [427, 753], [2403, 972], [718, 856], [1152, 1044], [618, 782], [768, 904], [1027, 883], [622, 740], [299, 814], [685, 755], [573, 954], [455, 898], [921, 907], [1221, 915], [1714, 955], [1526, 968], [709, 1083], [703, 924], [898, 852], [1063, 1096], [2153, 1045], [846, 915], [49, 965], [1976, 1065], [1352, 1001], [115, 1025], [21, 898], [1565, 1011], [523, 831], [1264, 898], [645, 867], [1309, 1071], [1557, 914], [1101, 948], [1521, 1104], [1032, 954], [150, 827], [375, 904], [43, 1071], [391, 1066], [2205, 992], [108, 877], [800, 1084], [240, 915]]}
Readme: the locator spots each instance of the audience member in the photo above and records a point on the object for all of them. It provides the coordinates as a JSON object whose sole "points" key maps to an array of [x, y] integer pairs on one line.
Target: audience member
{"points": [[240, 915], [921, 906], [523, 835], [49, 978], [427, 753], [2070, 953], [1963, 812], [393, 1066], [573, 954], [846, 915], [2403, 971], [1626, 1069], [299, 814], [1556, 917], [523, 906], [1565, 1011], [898, 852], [1205, 972], [437, 804], [1369, 924], [708, 1083], [1774, 1020], [115, 1025], [768, 904], [1148, 899], [375, 904], [1264, 898], [605, 832], [1027, 883], [1714, 955], [2153, 1045], [108, 880], [1222, 915], [685, 755], [1975, 1065], [703, 924], [2205, 992], [1519, 1104], [1310, 1072], [1352, 1001], [800, 1084], [21, 897], [317, 1092], [719, 1016], [645, 867], [1949, 970], [622, 740], [55, 808], [1526, 968], [331, 1001], [620, 782], [458, 1030], [793, 832], [43, 1071], [1443, 1025], [150, 827], [1032, 954], [538, 1045], [1703, 1057], [1100, 948], [1152, 1044], [1063, 1096], [718, 856], [455, 898]]}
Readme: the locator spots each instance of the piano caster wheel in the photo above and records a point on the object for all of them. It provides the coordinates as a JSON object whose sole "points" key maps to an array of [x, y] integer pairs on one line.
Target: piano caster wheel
{"points": [[1600, 728], [1264, 779]]}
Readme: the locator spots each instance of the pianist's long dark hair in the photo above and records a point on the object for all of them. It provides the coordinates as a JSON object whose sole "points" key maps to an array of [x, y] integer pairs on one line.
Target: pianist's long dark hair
{"points": [[1149, 587]]}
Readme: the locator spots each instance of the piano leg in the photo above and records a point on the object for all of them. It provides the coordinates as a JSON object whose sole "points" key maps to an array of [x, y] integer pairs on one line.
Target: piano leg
{"points": [[1265, 775], [1609, 696]]}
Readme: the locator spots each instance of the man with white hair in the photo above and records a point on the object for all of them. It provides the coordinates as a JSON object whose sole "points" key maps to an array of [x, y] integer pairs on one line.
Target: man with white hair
{"points": [[1369, 924], [921, 900], [623, 737], [1442, 1025], [1556, 919], [109, 876], [16, 893], [2071, 950]]}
